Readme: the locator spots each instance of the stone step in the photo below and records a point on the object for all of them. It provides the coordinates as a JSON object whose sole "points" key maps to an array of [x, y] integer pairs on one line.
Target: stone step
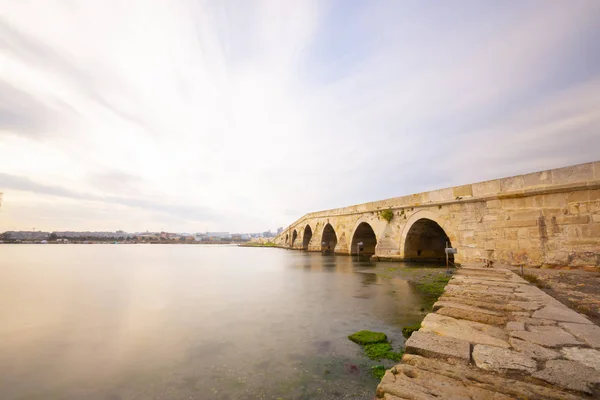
{"points": [[424, 378], [490, 336]]}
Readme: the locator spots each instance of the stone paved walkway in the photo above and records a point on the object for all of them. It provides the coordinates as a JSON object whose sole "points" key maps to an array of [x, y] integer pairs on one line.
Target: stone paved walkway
{"points": [[492, 335], [579, 289]]}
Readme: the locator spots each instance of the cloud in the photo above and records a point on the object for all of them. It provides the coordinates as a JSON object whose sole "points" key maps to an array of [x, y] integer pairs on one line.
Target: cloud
{"points": [[227, 116], [25, 184], [21, 113]]}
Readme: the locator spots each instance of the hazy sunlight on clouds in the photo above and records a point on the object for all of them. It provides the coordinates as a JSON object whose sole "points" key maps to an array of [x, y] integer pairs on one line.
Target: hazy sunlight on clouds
{"points": [[189, 115]]}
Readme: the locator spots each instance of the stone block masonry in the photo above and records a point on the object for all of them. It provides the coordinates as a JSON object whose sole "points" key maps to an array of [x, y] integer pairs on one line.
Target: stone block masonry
{"points": [[541, 349], [544, 218]]}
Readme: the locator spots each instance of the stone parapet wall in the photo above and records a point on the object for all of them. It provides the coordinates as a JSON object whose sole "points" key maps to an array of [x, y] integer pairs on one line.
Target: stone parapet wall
{"points": [[561, 179]]}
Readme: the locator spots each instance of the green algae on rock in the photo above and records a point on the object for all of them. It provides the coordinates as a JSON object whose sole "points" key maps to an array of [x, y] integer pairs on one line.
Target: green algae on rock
{"points": [[434, 287], [368, 337], [376, 345], [409, 329], [380, 351], [378, 371]]}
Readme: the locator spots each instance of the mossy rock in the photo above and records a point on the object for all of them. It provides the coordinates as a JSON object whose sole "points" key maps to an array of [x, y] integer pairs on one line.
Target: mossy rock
{"points": [[368, 337], [377, 351], [394, 356], [378, 371], [382, 351], [408, 330]]}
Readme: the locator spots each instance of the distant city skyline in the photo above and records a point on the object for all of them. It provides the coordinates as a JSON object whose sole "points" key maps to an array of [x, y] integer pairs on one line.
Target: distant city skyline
{"points": [[36, 235], [235, 116]]}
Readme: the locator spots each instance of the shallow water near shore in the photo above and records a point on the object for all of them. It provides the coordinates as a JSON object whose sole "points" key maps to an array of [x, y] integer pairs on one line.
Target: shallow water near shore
{"points": [[112, 322]]}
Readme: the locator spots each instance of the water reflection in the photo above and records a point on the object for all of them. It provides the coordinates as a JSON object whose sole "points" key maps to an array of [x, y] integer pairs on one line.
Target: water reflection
{"points": [[181, 322]]}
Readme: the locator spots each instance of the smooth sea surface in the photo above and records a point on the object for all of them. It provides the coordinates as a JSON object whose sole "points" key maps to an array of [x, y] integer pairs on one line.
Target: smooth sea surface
{"points": [[120, 322]]}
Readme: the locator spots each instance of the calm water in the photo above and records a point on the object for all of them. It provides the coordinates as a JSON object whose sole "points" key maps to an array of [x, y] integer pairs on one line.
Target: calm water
{"points": [[112, 322]]}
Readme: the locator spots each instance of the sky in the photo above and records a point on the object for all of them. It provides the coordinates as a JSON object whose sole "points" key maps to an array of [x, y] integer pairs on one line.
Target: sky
{"points": [[242, 116]]}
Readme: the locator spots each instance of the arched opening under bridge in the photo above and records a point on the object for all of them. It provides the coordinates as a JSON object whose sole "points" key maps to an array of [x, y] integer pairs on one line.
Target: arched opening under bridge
{"points": [[306, 237], [287, 237], [366, 235], [294, 237], [329, 239], [426, 241]]}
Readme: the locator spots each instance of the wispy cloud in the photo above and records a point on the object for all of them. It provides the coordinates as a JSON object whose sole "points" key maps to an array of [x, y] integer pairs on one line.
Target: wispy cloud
{"points": [[184, 212], [243, 116]]}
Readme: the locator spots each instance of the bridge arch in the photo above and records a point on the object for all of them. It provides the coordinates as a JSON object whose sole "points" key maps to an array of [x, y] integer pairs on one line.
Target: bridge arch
{"points": [[306, 237], [424, 238], [365, 234], [329, 239], [294, 237], [287, 237]]}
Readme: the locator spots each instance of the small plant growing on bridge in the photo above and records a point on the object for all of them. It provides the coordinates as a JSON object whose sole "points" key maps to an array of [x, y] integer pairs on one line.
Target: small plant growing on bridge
{"points": [[387, 214]]}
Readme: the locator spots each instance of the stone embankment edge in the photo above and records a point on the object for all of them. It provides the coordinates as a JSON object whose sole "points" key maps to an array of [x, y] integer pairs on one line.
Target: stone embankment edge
{"points": [[493, 335]]}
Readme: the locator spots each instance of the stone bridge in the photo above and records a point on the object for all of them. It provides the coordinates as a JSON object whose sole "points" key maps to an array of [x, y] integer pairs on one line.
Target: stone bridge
{"points": [[544, 218]]}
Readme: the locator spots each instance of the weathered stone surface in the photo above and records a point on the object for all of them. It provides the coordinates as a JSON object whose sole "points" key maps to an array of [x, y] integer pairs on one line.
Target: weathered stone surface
{"points": [[515, 326], [588, 357], [459, 291], [530, 291], [533, 321], [388, 396], [502, 360], [533, 350], [563, 314], [431, 345], [481, 289], [588, 333], [503, 280], [408, 382], [526, 305], [549, 336], [520, 314], [483, 303], [444, 303], [468, 375], [496, 281], [570, 375], [547, 300], [474, 332], [460, 313], [536, 295], [482, 271]]}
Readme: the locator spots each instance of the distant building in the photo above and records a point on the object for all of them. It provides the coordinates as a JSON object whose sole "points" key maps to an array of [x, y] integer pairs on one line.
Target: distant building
{"points": [[90, 235], [218, 235], [147, 237], [26, 235]]}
